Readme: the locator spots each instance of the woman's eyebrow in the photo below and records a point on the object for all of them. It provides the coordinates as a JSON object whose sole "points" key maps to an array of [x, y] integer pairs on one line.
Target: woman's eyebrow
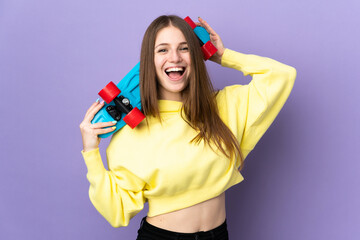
{"points": [[161, 44], [165, 44]]}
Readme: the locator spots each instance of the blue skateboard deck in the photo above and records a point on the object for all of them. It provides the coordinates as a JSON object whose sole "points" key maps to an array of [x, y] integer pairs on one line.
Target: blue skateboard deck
{"points": [[130, 89]]}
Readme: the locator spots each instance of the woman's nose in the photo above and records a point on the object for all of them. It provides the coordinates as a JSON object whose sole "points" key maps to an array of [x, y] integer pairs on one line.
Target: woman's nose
{"points": [[175, 57]]}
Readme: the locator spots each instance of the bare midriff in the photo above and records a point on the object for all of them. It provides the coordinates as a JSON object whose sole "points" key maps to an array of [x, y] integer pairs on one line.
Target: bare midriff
{"points": [[203, 216]]}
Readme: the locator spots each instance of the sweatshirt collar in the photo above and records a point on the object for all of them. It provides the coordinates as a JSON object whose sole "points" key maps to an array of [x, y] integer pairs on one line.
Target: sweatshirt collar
{"points": [[169, 106]]}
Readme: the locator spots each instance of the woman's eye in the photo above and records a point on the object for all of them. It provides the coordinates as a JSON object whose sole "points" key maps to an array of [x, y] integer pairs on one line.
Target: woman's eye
{"points": [[161, 50], [184, 49]]}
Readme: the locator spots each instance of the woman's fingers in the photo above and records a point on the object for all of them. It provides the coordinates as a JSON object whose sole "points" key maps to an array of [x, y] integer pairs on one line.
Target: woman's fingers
{"points": [[214, 37], [102, 124], [104, 130], [90, 131], [93, 110], [92, 128], [92, 106], [205, 25]]}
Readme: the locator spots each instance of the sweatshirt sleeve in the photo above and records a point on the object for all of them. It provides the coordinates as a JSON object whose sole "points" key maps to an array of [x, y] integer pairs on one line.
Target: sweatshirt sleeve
{"points": [[250, 109], [117, 194]]}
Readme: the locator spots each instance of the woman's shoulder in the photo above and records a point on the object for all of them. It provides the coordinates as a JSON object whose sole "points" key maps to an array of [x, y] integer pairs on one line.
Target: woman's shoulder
{"points": [[231, 93]]}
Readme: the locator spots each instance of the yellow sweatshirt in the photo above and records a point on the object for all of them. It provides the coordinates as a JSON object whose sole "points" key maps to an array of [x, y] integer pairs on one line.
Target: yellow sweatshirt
{"points": [[159, 164]]}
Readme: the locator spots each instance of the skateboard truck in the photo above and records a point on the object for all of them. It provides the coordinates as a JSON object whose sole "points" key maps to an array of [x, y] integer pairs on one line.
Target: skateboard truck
{"points": [[122, 105]]}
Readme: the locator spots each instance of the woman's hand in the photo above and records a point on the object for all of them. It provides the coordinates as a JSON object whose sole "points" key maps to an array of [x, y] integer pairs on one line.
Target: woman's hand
{"points": [[91, 131], [215, 40]]}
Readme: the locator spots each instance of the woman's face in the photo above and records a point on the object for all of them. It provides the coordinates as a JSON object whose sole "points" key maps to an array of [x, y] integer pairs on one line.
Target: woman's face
{"points": [[172, 63]]}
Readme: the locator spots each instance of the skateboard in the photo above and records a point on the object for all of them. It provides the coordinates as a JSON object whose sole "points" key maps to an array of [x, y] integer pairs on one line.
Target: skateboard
{"points": [[122, 101], [207, 47]]}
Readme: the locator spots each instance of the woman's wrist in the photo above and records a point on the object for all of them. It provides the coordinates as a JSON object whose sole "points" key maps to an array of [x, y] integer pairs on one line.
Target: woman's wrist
{"points": [[88, 149], [218, 56]]}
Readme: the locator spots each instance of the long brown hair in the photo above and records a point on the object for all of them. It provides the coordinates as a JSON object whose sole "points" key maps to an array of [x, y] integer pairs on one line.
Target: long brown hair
{"points": [[199, 109]]}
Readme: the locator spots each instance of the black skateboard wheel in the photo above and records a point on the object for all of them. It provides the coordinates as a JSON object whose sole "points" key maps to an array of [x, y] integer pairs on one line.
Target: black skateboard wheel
{"points": [[109, 92], [134, 117]]}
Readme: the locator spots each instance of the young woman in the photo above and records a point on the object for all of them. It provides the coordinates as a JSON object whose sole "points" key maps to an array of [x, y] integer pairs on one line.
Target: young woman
{"points": [[194, 140]]}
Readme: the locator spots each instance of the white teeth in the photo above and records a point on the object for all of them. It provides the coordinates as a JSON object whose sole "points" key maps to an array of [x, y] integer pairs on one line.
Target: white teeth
{"points": [[174, 69]]}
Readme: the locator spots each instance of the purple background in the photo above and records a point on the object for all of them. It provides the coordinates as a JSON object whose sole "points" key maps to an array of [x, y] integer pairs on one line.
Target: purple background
{"points": [[301, 181]]}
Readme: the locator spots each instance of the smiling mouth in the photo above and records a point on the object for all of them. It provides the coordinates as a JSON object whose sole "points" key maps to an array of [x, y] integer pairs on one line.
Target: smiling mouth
{"points": [[175, 73]]}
